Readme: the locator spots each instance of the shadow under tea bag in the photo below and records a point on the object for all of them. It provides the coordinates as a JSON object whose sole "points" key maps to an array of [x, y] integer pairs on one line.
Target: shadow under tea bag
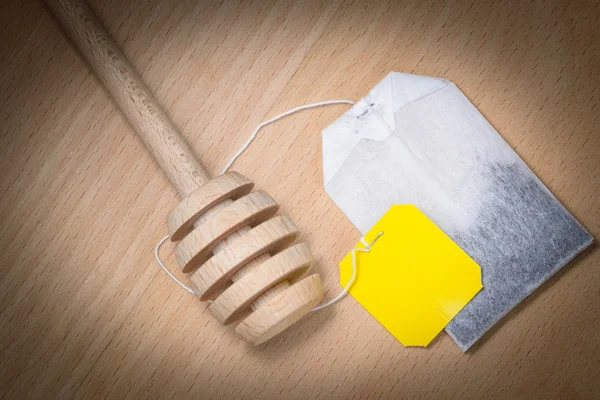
{"points": [[419, 140]]}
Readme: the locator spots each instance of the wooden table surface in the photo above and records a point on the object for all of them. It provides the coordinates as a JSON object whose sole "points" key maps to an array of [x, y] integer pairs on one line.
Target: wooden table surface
{"points": [[85, 312]]}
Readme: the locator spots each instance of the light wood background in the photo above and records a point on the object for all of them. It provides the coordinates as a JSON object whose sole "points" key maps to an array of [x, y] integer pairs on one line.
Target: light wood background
{"points": [[86, 313]]}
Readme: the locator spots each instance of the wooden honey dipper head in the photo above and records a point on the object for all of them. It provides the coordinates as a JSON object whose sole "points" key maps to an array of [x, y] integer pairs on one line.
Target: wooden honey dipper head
{"points": [[239, 253], [237, 238]]}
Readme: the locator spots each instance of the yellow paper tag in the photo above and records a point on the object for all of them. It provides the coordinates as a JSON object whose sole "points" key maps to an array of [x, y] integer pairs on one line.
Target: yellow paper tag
{"points": [[415, 279]]}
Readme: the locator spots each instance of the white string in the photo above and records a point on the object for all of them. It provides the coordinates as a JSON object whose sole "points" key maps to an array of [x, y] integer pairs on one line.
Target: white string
{"points": [[275, 118], [344, 292], [230, 163], [162, 265]]}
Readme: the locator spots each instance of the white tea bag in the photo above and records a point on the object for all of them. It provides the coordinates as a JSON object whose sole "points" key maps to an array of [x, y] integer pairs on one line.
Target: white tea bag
{"points": [[419, 140]]}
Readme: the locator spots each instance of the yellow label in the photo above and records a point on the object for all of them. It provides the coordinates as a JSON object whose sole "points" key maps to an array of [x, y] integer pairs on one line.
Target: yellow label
{"points": [[414, 279]]}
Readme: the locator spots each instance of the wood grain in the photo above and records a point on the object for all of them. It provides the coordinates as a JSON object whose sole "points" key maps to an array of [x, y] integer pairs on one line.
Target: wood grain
{"points": [[290, 264], [281, 311], [86, 312], [229, 186], [269, 237], [252, 209]]}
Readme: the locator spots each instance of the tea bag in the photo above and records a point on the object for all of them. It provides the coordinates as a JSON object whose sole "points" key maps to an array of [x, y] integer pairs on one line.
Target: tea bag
{"points": [[418, 140]]}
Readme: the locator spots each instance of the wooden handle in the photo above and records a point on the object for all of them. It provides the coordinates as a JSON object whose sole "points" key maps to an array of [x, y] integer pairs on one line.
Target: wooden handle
{"points": [[133, 97]]}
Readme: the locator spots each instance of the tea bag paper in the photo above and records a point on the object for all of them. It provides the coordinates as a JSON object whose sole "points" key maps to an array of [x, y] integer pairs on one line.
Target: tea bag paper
{"points": [[418, 140]]}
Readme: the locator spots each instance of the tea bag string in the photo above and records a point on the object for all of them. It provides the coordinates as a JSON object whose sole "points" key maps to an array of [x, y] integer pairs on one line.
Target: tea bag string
{"points": [[246, 144], [276, 118]]}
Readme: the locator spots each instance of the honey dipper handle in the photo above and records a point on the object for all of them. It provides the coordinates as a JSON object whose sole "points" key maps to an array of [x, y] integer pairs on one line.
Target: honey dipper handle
{"points": [[142, 111]]}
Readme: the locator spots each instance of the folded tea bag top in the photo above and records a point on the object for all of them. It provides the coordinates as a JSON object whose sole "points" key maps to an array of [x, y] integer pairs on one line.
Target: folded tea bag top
{"points": [[418, 140]]}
